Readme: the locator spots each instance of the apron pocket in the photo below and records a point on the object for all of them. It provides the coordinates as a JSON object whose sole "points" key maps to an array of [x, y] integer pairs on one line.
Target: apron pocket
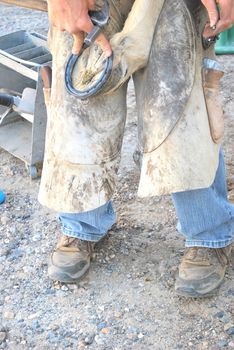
{"points": [[211, 75]]}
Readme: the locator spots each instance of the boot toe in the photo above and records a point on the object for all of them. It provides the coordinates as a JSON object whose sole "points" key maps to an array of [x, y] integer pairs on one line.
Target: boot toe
{"points": [[68, 267]]}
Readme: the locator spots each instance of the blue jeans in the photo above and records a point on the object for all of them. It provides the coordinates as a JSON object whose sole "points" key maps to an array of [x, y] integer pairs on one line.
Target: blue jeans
{"points": [[206, 218]]}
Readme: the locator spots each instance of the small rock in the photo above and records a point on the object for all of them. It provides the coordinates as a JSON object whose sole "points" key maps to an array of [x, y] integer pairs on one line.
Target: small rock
{"points": [[36, 238], [98, 340], [231, 344], [9, 315], [73, 287], [140, 336], [117, 314], [52, 337], [89, 339], [225, 319], [228, 326], [205, 345], [230, 331], [105, 330], [27, 269], [101, 307], [3, 336], [81, 345], [35, 325], [220, 314], [34, 316], [64, 288], [230, 182], [222, 343], [29, 250], [101, 325], [5, 219], [57, 285]]}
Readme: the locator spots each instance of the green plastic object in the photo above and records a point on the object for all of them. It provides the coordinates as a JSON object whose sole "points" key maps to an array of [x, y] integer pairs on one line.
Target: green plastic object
{"points": [[225, 44]]}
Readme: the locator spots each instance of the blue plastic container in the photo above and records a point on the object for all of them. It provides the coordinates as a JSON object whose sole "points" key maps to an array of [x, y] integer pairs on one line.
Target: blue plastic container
{"points": [[2, 197]]}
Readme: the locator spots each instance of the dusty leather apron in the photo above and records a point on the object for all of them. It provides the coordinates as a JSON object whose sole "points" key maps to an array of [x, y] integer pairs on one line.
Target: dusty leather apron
{"points": [[179, 139]]}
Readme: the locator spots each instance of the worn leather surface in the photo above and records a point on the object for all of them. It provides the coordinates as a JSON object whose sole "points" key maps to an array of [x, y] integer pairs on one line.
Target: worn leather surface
{"points": [[167, 82], [84, 138], [179, 153], [211, 83]]}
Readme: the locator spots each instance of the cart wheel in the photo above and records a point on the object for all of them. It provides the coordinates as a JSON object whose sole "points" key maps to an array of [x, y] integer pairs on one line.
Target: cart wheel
{"points": [[33, 172]]}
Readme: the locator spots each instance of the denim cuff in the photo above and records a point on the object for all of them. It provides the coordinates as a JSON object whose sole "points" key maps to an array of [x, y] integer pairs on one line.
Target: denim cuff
{"points": [[207, 244], [91, 237]]}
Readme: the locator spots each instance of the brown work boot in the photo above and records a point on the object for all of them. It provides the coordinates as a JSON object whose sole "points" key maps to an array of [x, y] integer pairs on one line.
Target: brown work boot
{"points": [[202, 271], [70, 260]]}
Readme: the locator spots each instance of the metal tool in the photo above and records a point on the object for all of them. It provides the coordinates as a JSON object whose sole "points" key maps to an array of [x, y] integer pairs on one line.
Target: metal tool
{"points": [[207, 42], [99, 19], [23, 105]]}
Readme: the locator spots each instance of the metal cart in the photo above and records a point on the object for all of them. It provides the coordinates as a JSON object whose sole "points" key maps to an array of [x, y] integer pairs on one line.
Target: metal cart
{"points": [[22, 129]]}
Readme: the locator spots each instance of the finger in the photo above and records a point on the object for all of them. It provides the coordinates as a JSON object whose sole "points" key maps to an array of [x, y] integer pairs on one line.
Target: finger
{"points": [[220, 27], [226, 16], [208, 31], [212, 11], [78, 42], [91, 5], [223, 25], [101, 39], [86, 24], [105, 45]]}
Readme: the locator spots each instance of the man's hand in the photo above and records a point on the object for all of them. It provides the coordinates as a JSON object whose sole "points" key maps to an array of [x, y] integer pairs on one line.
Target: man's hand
{"points": [[72, 16], [219, 21]]}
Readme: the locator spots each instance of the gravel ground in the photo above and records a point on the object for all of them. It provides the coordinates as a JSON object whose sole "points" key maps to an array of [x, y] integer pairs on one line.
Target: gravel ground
{"points": [[127, 301]]}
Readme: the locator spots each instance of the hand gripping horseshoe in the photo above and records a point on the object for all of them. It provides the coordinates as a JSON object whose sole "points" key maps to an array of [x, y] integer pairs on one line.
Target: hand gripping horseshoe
{"points": [[99, 19]]}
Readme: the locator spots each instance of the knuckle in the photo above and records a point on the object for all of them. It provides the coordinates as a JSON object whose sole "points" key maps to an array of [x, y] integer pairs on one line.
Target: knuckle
{"points": [[59, 26], [83, 23], [86, 25], [72, 29]]}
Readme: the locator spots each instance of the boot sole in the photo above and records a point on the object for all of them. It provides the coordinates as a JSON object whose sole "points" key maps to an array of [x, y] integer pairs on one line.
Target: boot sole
{"points": [[65, 277], [191, 292]]}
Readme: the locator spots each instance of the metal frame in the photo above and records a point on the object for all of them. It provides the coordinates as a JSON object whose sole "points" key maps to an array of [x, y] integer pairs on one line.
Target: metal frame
{"points": [[21, 56]]}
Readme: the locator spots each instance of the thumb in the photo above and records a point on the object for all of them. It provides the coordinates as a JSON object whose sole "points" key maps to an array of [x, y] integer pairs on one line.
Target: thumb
{"points": [[78, 42], [220, 27], [208, 31], [212, 11]]}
